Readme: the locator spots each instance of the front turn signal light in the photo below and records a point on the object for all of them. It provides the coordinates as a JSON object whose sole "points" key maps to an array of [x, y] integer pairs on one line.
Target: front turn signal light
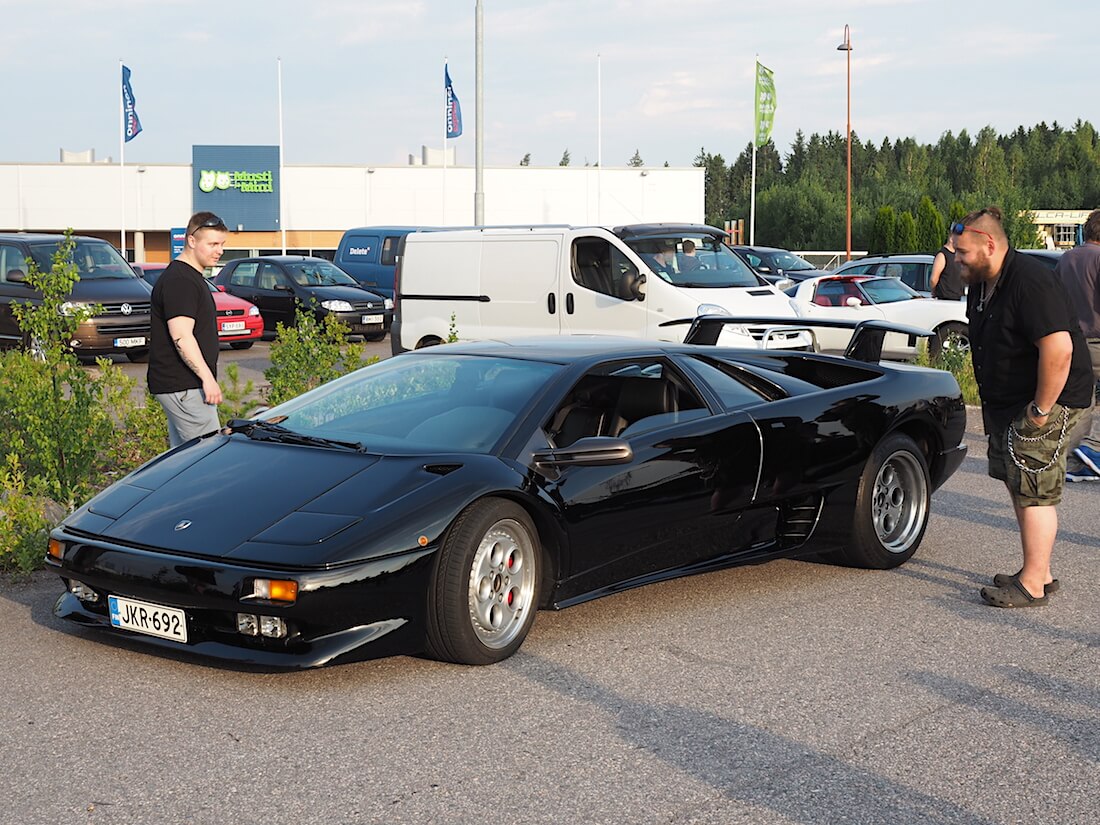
{"points": [[276, 590], [56, 549]]}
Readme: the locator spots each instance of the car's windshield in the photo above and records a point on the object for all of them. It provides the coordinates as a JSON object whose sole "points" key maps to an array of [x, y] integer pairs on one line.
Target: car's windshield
{"points": [[319, 273], [887, 290], [788, 262], [694, 261], [93, 259], [419, 403]]}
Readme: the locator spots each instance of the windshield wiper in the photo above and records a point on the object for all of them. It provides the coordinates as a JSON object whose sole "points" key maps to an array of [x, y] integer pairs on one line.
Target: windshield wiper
{"points": [[267, 431]]}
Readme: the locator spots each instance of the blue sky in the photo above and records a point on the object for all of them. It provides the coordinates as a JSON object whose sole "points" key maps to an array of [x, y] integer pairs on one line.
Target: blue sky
{"points": [[362, 79]]}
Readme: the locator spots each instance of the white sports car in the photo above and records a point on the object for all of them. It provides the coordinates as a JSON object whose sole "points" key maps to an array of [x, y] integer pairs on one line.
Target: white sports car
{"points": [[860, 297]]}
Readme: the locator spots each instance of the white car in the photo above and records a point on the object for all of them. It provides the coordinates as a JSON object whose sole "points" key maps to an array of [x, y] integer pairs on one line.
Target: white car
{"points": [[861, 297]]}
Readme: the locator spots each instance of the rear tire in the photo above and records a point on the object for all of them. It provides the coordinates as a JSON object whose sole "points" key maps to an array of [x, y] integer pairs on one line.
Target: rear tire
{"points": [[485, 588], [430, 341], [892, 506], [951, 335]]}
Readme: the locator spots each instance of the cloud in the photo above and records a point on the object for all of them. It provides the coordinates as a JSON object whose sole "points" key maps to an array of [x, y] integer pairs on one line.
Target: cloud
{"points": [[375, 22]]}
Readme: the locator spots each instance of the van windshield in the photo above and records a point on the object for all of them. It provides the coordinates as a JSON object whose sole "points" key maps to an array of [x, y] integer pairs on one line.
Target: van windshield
{"points": [[693, 261], [93, 259]]}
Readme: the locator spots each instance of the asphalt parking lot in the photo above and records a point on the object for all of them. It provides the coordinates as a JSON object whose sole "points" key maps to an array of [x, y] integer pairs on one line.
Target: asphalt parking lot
{"points": [[789, 692]]}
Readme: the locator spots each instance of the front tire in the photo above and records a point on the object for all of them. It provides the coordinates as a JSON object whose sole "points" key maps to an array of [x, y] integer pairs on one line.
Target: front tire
{"points": [[241, 344], [892, 505], [485, 587], [140, 356]]}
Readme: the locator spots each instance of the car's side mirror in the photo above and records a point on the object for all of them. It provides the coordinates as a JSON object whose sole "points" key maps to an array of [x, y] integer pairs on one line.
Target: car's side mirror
{"points": [[283, 288], [219, 287], [17, 276], [636, 287], [852, 301]]}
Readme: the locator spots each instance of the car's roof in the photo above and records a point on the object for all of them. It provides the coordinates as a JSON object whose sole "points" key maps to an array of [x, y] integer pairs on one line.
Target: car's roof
{"points": [[762, 248], [282, 259], [41, 237], [900, 257], [642, 230]]}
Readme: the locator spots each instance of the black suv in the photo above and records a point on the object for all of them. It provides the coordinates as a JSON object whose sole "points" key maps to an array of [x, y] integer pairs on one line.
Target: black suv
{"points": [[105, 279], [277, 284]]}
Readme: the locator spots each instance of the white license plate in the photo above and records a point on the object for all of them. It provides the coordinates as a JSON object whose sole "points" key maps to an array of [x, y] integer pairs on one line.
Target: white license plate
{"points": [[130, 342], [151, 619], [233, 326], [373, 319]]}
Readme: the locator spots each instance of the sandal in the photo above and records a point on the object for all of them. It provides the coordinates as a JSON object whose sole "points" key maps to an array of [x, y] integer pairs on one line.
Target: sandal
{"points": [[1013, 594], [1004, 580]]}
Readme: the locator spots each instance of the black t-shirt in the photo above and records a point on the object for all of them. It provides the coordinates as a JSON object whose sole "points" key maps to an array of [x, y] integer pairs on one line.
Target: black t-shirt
{"points": [[180, 291], [1028, 303], [949, 287]]}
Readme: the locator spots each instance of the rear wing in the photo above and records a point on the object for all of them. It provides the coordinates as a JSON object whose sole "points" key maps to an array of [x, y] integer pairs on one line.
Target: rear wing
{"points": [[865, 345]]}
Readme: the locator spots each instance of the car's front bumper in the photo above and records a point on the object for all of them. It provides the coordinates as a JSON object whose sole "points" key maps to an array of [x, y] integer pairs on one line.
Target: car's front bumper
{"points": [[359, 611]]}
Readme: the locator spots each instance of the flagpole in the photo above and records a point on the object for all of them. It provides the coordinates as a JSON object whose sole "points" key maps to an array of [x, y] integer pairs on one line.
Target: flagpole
{"points": [[752, 195], [599, 140], [446, 115], [479, 120], [121, 162], [282, 180]]}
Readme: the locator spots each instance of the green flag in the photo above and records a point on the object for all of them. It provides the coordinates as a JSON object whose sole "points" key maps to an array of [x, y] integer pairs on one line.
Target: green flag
{"points": [[765, 103]]}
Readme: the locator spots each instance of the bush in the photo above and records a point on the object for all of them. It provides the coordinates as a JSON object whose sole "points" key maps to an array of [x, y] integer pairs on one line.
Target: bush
{"points": [[24, 521], [957, 362], [308, 354]]}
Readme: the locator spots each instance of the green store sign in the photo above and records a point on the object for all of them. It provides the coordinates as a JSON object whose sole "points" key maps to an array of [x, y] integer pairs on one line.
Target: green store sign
{"points": [[252, 182]]}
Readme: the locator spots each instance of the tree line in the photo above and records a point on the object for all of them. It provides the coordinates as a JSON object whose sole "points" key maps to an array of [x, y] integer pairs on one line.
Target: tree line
{"points": [[904, 193]]}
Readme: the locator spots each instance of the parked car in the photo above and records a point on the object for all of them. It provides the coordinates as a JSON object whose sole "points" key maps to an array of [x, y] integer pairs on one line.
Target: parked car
{"points": [[914, 270], [369, 255], [566, 280], [106, 280], [278, 284], [441, 497], [777, 265], [859, 297], [239, 322], [1047, 257]]}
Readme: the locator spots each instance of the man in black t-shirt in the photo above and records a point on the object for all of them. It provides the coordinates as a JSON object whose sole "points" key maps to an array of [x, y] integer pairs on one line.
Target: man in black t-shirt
{"points": [[183, 342], [946, 280], [1035, 381]]}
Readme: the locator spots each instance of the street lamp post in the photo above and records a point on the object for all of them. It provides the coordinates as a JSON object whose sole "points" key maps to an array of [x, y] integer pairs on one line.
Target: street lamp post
{"points": [[846, 46]]}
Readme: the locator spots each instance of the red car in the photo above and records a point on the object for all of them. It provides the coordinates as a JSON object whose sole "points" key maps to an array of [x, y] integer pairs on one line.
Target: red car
{"points": [[239, 322]]}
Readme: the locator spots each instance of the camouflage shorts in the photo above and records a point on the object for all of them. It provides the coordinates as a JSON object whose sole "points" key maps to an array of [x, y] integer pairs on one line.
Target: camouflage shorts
{"points": [[1031, 460]]}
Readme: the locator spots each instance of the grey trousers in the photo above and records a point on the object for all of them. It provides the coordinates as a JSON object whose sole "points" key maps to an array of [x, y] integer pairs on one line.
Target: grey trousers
{"points": [[189, 416]]}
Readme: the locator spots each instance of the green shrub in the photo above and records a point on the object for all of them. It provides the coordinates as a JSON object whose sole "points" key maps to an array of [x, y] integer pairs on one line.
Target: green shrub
{"points": [[957, 362], [24, 523], [237, 401], [308, 354]]}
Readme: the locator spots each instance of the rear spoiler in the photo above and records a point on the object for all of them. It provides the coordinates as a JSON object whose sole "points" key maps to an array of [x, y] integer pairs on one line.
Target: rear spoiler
{"points": [[865, 345]]}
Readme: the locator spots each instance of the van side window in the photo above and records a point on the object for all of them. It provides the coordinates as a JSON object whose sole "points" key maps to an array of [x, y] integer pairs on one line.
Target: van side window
{"points": [[11, 259], [599, 266], [389, 250]]}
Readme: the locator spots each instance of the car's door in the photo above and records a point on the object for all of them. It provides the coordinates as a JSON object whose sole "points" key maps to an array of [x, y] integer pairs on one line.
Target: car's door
{"points": [[12, 261], [274, 293], [599, 294], [676, 504]]}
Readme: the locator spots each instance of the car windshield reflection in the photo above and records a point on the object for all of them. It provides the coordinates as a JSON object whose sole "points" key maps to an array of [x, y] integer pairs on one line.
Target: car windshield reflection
{"points": [[693, 261], [319, 273], [887, 290], [413, 404], [94, 260]]}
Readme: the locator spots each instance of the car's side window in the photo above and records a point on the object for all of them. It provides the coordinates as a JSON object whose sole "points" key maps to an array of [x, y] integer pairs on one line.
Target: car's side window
{"points": [[11, 260], [830, 294], [244, 274], [622, 399], [598, 266], [389, 250], [269, 276], [728, 385]]}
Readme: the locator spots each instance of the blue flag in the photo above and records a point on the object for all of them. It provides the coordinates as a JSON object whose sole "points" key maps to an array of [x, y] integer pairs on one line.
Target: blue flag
{"points": [[130, 123], [454, 111]]}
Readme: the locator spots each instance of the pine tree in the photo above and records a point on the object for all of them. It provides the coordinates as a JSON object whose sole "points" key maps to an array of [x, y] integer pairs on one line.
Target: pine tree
{"points": [[931, 227], [564, 159], [905, 233], [882, 233], [526, 160], [636, 160]]}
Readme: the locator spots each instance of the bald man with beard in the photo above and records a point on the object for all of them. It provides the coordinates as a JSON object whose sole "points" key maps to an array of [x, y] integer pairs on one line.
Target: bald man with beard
{"points": [[1035, 381]]}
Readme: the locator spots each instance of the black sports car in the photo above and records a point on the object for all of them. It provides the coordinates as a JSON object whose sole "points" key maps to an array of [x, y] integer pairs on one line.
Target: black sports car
{"points": [[432, 502]]}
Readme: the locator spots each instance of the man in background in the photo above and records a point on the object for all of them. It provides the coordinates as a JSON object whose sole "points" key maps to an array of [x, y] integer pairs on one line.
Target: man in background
{"points": [[1079, 270]]}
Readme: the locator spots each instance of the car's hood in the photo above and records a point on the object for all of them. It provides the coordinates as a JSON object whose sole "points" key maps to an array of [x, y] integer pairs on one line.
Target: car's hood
{"points": [[269, 503], [224, 301], [752, 300], [129, 288], [352, 294]]}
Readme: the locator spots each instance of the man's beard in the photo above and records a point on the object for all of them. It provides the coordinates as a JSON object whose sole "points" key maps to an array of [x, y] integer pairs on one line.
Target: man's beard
{"points": [[977, 272]]}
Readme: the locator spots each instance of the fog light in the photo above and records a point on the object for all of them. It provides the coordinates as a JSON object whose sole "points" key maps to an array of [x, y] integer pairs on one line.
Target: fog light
{"points": [[272, 627], [275, 590], [83, 592], [55, 548], [248, 624]]}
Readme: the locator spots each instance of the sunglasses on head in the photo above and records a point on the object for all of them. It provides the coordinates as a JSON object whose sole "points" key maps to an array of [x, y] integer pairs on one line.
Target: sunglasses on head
{"points": [[213, 222], [959, 228]]}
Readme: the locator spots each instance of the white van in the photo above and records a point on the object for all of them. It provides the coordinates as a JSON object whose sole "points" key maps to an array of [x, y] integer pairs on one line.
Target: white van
{"points": [[509, 281]]}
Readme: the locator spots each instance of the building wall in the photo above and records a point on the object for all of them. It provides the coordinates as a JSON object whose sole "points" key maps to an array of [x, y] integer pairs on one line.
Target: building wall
{"points": [[320, 202]]}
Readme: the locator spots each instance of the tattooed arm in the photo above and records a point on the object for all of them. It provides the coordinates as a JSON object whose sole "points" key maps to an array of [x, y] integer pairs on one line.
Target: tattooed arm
{"points": [[182, 331]]}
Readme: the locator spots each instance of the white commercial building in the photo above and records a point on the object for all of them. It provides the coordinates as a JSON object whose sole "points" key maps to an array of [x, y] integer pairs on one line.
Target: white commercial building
{"points": [[317, 203]]}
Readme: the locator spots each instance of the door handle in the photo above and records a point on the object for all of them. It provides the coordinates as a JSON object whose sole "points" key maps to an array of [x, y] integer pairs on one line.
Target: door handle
{"points": [[551, 303], [569, 303]]}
